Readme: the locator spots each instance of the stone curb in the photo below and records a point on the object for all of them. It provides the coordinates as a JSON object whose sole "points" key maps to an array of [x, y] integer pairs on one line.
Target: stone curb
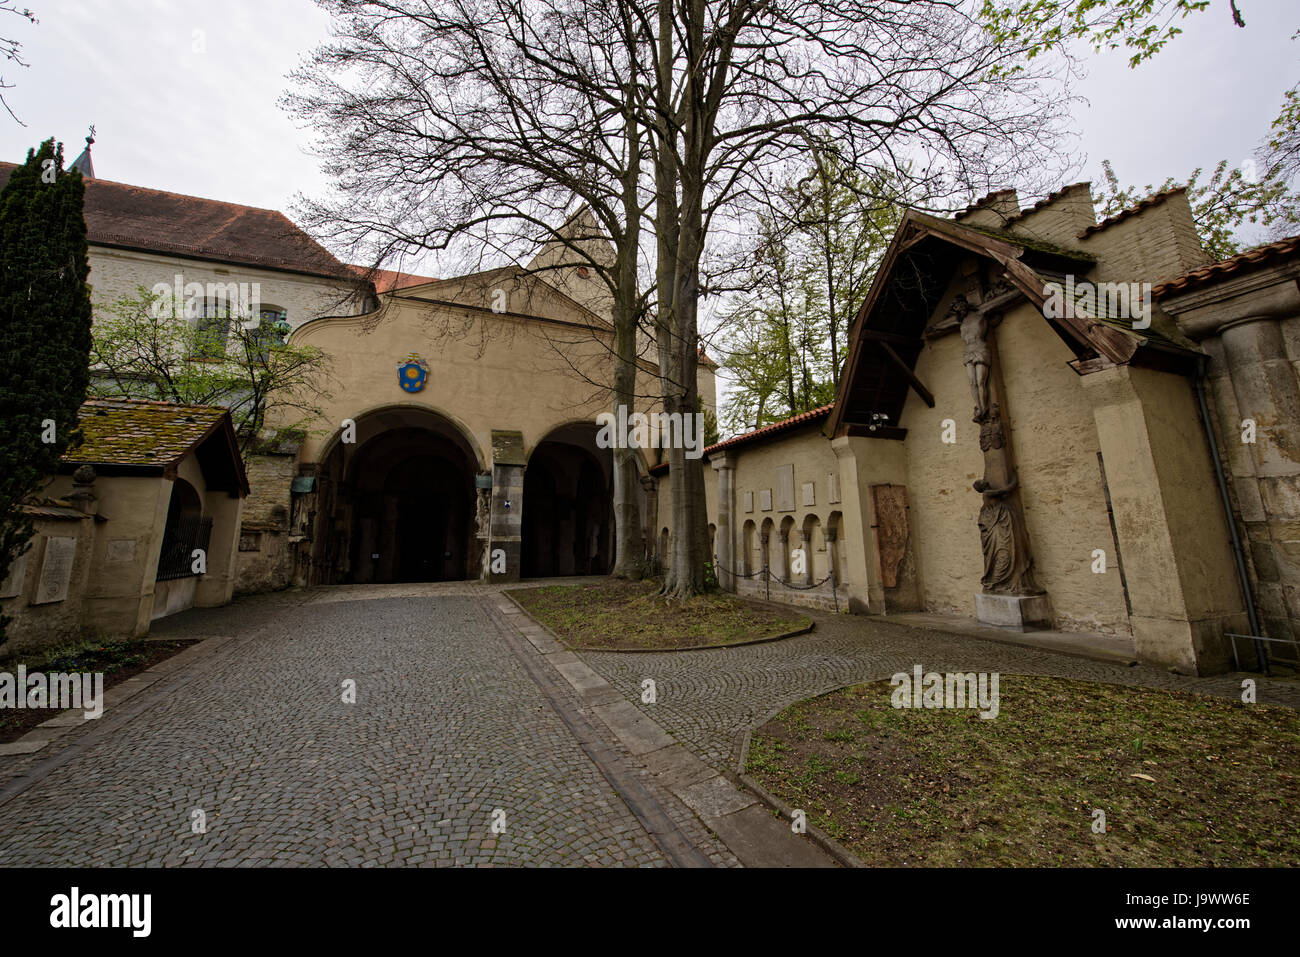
{"points": [[659, 651], [738, 819], [827, 843]]}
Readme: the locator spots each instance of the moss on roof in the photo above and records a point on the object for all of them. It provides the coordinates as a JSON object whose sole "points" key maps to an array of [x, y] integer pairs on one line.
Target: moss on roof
{"points": [[140, 432], [1035, 245]]}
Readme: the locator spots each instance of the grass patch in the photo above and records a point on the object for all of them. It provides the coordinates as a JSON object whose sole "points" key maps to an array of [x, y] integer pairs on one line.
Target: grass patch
{"points": [[118, 660], [949, 789], [631, 616]]}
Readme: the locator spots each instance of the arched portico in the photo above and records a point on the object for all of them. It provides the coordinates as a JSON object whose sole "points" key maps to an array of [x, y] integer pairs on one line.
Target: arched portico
{"points": [[568, 514], [395, 501]]}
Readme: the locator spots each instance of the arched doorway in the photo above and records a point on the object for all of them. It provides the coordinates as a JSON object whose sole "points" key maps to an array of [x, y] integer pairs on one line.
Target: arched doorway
{"points": [[185, 530], [568, 521], [398, 503]]}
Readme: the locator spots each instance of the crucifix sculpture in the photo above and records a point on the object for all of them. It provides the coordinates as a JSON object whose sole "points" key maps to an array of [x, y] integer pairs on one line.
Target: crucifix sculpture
{"points": [[1008, 563]]}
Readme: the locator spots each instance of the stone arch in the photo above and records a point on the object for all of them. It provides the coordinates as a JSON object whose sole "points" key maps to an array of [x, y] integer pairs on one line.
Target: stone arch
{"points": [[375, 419], [834, 547], [748, 544], [182, 533], [814, 548], [568, 505], [398, 504]]}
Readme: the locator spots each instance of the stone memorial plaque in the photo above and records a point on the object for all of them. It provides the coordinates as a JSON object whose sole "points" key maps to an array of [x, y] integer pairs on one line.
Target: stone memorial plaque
{"points": [[12, 586], [56, 570], [765, 500], [891, 530], [833, 488], [749, 501], [809, 491], [785, 488], [120, 550]]}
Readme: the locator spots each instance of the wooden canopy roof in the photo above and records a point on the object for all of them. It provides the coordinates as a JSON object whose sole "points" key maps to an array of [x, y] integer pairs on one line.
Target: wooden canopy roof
{"points": [[885, 340]]}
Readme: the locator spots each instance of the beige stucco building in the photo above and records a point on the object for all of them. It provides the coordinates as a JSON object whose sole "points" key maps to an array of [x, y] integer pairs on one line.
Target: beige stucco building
{"points": [[142, 522], [1043, 421], [492, 452], [1114, 509]]}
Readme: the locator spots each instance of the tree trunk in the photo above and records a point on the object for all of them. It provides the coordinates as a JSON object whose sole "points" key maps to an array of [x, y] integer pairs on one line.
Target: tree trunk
{"points": [[629, 543]]}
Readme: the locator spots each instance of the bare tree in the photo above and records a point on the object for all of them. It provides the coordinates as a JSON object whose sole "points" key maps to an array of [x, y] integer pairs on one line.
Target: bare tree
{"points": [[11, 51], [472, 126], [919, 89], [482, 119]]}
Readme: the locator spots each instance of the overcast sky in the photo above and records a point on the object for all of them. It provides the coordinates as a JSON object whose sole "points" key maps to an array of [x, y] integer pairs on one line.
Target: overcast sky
{"points": [[184, 93]]}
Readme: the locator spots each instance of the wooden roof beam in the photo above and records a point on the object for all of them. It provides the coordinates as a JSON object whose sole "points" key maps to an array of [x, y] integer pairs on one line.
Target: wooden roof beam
{"points": [[909, 375]]}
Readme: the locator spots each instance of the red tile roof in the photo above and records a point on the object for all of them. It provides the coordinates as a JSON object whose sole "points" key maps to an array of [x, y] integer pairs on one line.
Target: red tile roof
{"points": [[388, 280], [152, 220], [1133, 210], [1258, 256], [761, 434]]}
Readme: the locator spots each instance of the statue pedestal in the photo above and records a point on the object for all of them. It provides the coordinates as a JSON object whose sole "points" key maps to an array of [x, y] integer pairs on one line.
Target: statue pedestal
{"points": [[1017, 612]]}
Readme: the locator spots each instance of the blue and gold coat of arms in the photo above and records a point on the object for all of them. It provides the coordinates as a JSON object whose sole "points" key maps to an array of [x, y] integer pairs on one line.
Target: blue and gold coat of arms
{"points": [[412, 374]]}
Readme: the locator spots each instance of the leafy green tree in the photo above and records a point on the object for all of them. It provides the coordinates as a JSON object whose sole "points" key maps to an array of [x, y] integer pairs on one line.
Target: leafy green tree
{"points": [[45, 330], [1280, 155], [146, 347], [801, 283], [1229, 200], [1144, 27]]}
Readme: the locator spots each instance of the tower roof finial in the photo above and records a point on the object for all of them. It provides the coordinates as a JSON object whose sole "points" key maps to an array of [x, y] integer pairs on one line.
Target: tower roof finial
{"points": [[83, 164]]}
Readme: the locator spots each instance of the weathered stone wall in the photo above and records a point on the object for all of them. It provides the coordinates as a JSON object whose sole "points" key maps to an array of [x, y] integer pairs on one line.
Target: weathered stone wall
{"points": [[39, 623], [1051, 431], [265, 560], [1248, 322]]}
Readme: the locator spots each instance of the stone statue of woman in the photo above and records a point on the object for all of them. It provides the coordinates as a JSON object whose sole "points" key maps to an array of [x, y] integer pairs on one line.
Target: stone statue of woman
{"points": [[1008, 564]]}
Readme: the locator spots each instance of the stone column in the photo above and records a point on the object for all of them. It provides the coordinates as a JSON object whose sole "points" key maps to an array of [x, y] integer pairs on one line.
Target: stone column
{"points": [[218, 585], [1265, 386], [1263, 382], [831, 535], [804, 542], [507, 510], [1182, 581], [725, 465], [863, 579]]}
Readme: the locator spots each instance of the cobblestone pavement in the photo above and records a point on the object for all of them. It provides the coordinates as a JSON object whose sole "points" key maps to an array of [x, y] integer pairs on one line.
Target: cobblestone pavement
{"points": [[447, 727], [709, 699]]}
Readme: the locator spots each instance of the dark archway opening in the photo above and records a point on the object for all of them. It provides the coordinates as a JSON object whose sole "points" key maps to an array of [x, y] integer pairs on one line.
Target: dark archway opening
{"points": [[411, 492], [568, 522], [186, 529]]}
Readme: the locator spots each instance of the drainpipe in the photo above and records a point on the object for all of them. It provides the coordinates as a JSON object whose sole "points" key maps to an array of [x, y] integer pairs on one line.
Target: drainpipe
{"points": [[1237, 550]]}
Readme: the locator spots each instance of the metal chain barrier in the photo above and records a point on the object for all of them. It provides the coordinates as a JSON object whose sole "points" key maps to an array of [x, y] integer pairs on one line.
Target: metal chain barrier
{"points": [[768, 578]]}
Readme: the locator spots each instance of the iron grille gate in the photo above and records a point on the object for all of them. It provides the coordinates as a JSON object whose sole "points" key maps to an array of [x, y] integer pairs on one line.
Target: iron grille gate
{"points": [[177, 557]]}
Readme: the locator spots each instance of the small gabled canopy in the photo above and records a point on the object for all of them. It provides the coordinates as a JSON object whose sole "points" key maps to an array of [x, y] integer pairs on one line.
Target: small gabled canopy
{"points": [[886, 338], [143, 437]]}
